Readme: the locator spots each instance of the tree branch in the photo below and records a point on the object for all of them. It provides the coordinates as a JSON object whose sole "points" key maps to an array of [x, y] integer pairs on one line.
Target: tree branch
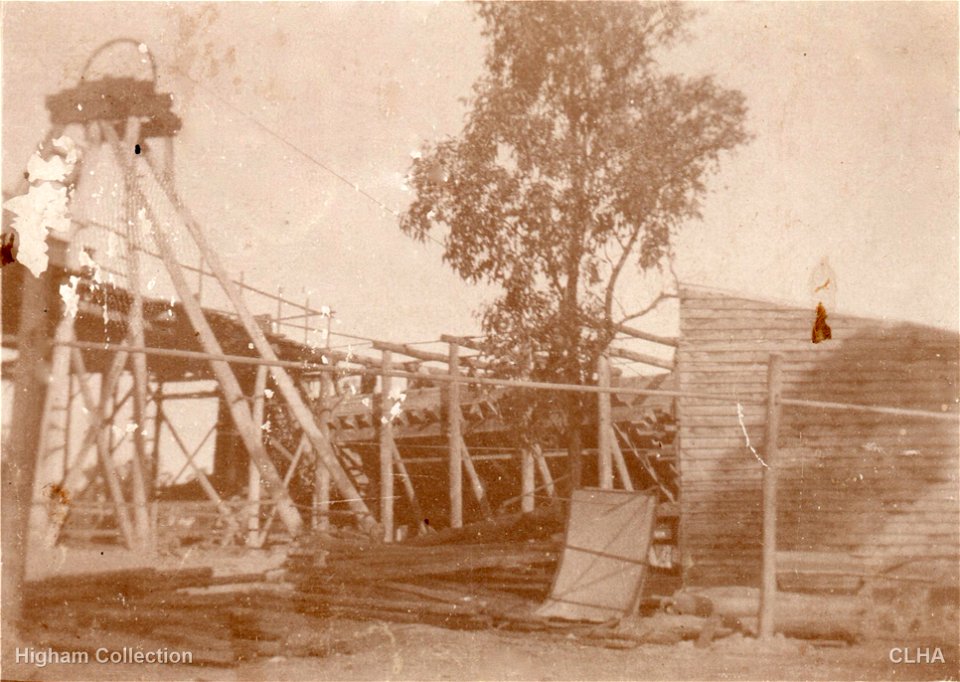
{"points": [[615, 273], [657, 301]]}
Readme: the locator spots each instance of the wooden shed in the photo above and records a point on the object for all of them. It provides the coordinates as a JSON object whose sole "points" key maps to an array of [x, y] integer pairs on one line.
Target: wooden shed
{"points": [[878, 489]]}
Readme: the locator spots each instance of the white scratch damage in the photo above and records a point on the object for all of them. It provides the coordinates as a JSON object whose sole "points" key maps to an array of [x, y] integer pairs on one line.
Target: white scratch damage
{"points": [[397, 395], [71, 299], [145, 223], [44, 207], [87, 262], [746, 436]]}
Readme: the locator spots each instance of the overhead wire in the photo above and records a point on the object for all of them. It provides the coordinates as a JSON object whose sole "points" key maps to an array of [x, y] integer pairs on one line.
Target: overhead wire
{"points": [[292, 145]]}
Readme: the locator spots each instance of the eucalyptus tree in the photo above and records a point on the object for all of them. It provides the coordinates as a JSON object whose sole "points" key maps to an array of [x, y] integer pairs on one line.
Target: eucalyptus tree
{"points": [[580, 158]]}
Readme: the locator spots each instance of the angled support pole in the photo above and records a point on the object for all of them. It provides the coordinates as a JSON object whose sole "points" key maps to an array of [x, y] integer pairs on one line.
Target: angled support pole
{"points": [[544, 470], [74, 478], [475, 483], [110, 475], [138, 462], [204, 481], [233, 394], [98, 434], [320, 446], [302, 447], [619, 462], [644, 462], [196, 451], [408, 488]]}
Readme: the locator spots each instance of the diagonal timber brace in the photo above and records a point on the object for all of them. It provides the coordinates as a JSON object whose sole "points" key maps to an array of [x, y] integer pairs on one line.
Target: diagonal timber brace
{"points": [[236, 402], [303, 415]]}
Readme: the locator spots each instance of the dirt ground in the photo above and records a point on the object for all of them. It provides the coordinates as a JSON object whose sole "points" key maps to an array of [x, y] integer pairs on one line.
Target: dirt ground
{"points": [[382, 651], [353, 650]]}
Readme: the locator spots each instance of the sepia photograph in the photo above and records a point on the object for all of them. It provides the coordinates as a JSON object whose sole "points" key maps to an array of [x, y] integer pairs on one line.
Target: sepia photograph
{"points": [[464, 340]]}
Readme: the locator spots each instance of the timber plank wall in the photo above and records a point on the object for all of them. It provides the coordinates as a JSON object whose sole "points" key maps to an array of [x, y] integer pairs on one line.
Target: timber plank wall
{"points": [[875, 487]]}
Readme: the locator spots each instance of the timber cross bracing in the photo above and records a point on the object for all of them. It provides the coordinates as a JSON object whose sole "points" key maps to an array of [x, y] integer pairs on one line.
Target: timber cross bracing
{"points": [[129, 141], [145, 182]]}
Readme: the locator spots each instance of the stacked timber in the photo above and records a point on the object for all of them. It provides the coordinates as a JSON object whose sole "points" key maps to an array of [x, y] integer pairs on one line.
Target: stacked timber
{"points": [[448, 579], [147, 609], [492, 574]]}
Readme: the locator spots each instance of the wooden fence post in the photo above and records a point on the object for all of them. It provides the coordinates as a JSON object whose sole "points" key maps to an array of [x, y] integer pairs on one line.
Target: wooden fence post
{"points": [[386, 452], [604, 425], [321, 484], [768, 590], [454, 439], [253, 471], [527, 480]]}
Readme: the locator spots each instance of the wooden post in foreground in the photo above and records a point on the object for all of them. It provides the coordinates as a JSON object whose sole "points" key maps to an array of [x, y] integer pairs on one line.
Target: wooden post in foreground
{"points": [[386, 453], [604, 425], [18, 461], [253, 471], [321, 483], [768, 589], [527, 480], [454, 439]]}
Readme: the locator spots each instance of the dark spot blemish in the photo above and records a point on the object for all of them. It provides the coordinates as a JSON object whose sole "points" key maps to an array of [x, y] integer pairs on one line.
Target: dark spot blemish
{"points": [[821, 330], [136, 149], [8, 248], [57, 493]]}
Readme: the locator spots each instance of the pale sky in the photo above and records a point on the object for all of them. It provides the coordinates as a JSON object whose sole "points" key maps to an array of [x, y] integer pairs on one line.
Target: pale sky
{"points": [[853, 107]]}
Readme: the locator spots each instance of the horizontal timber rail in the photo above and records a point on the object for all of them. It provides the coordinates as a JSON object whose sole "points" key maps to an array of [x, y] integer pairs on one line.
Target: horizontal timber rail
{"points": [[639, 357], [426, 356], [506, 383], [646, 336]]}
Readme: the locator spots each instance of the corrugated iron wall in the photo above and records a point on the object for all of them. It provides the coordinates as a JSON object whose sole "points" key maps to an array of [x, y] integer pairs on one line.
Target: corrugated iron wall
{"points": [[872, 486]]}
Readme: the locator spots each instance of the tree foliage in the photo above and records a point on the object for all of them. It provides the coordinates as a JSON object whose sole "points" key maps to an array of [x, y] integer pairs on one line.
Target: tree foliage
{"points": [[579, 158]]}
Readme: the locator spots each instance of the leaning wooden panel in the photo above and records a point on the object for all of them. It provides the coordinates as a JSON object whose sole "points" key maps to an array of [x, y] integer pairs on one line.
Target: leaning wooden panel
{"points": [[604, 559]]}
